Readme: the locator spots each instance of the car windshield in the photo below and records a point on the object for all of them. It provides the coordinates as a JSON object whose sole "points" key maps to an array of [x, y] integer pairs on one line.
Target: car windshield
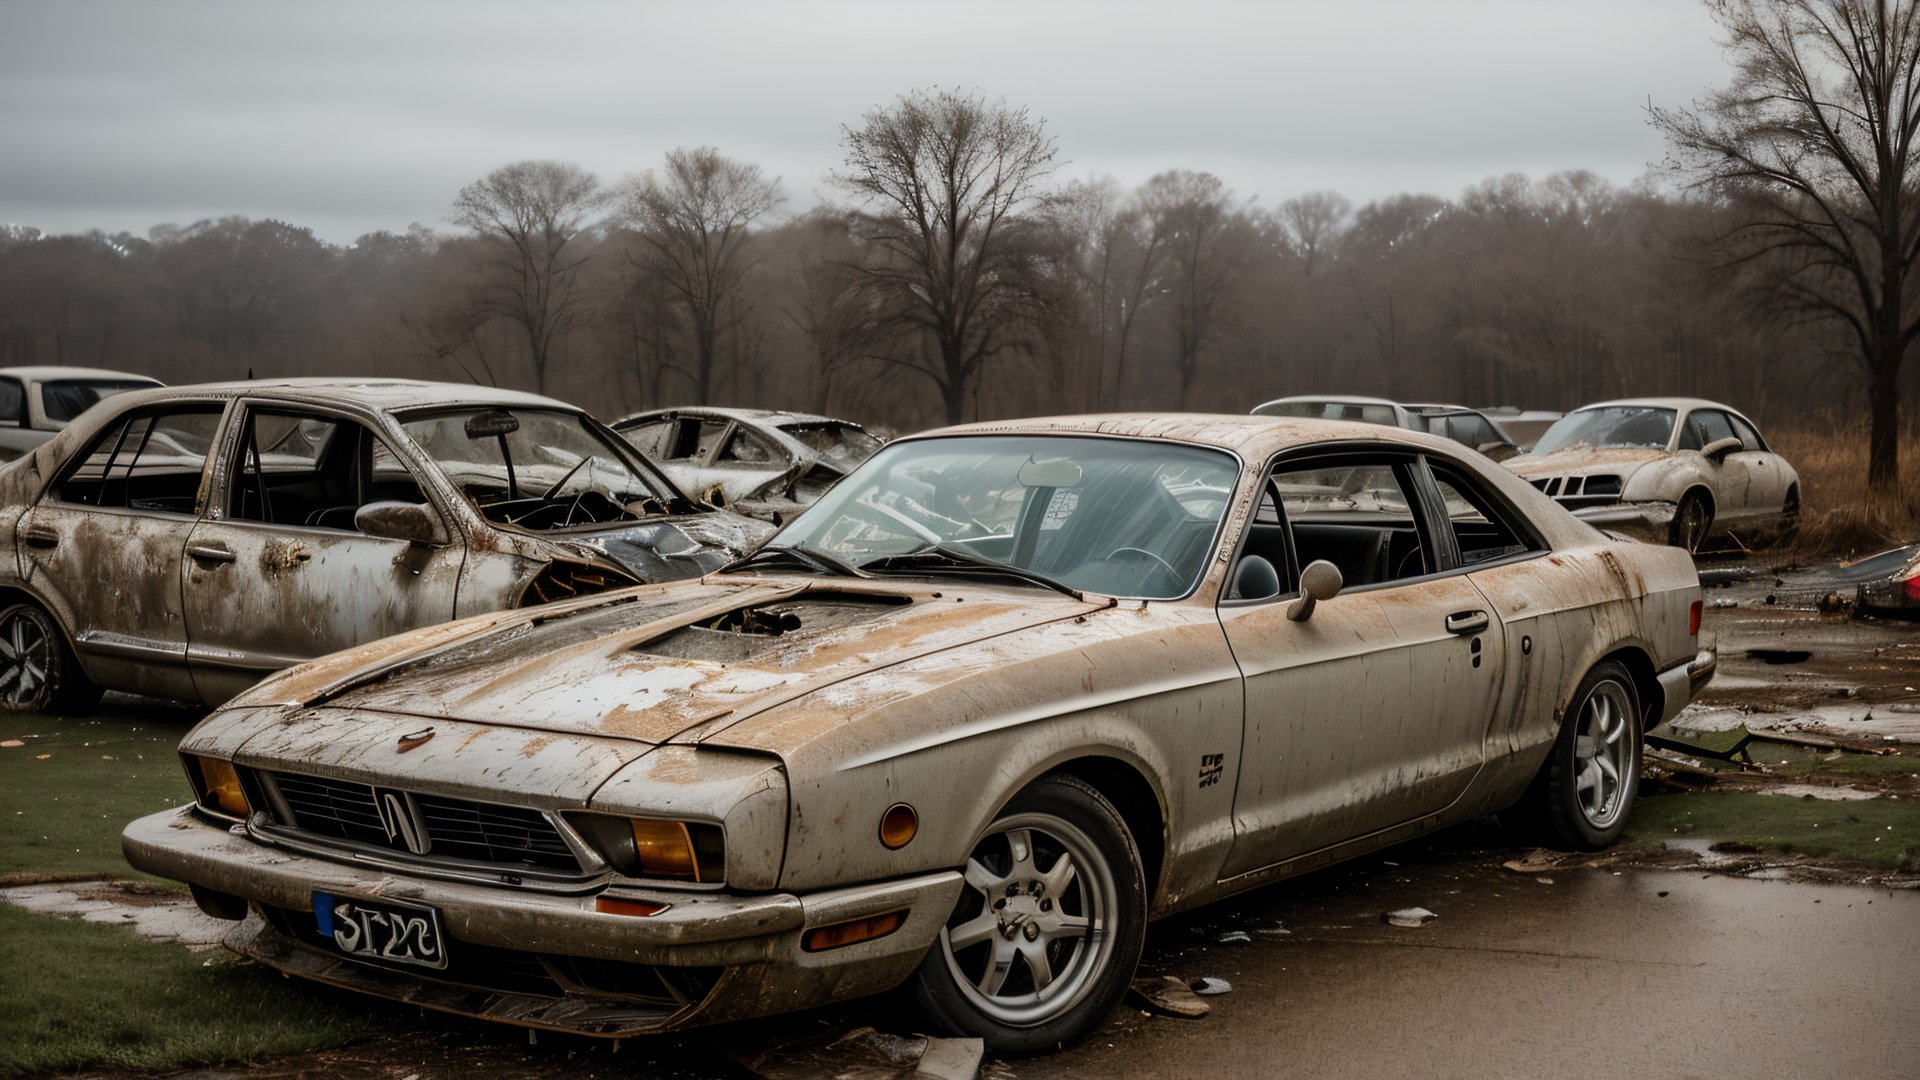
{"points": [[1331, 410], [838, 444], [1612, 426], [537, 468], [64, 399], [1121, 517]]}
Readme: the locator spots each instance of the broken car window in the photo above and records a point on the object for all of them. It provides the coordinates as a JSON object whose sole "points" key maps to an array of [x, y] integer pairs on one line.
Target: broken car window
{"points": [[147, 461], [1612, 426], [838, 444], [313, 471], [537, 468], [746, 448], [1116, 516]]}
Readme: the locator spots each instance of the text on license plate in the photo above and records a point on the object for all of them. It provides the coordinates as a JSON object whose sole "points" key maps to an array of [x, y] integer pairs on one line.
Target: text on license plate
{"points": [[382, 929]]}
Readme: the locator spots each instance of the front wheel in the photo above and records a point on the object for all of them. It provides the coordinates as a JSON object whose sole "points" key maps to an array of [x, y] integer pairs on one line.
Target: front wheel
{"points": [[38, 672], [1692, 521], [1048, 930], [1587, 786]]}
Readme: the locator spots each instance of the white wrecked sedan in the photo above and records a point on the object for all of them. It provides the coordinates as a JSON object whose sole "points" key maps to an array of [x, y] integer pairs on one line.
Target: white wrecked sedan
{"points": [[1005, 694], [759, 462], [184, 542], [1667, 470]]}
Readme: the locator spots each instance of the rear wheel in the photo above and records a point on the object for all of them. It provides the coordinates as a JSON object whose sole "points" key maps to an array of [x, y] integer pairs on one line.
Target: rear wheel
{"points": [[1048, 929], [1587, 787], [38, 672]]}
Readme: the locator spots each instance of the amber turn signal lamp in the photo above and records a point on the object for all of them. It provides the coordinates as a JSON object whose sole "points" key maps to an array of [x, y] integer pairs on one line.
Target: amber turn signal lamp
{"points": [[898, 825], [851, 932], [664, 849], [613, 905], [1693, 619], [218, 784]]}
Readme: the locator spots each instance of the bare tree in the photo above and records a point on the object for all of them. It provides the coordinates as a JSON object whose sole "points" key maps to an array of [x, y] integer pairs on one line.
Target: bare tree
{"points": [[1313, 222], [1814, 142], [531, 212], [694, 215], [945, 177], [1193, 217]]}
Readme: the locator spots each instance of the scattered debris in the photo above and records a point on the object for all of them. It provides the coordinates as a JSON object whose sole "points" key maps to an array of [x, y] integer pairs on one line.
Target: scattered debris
{"points": [[1169, 995], [865, 1054], [1536, 861], [1413, 916], [1234, 937], [1780, 656], [1208, 986]]}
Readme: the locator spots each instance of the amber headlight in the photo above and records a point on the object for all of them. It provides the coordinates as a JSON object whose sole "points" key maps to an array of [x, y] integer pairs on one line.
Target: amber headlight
{"points": [[216, 785], [657, 848]]}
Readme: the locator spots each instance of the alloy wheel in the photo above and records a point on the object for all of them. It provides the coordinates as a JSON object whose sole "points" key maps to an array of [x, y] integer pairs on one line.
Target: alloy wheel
{"points": [[1603, 762]]}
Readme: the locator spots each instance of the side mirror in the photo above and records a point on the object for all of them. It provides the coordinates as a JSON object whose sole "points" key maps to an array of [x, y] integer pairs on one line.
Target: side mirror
{"points": [[1321, 580], [391, 519], [1720, 448]]}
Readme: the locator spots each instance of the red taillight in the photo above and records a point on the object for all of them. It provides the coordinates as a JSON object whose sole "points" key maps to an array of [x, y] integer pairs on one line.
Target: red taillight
{"points": [[1693, 619], [1912, 586]]}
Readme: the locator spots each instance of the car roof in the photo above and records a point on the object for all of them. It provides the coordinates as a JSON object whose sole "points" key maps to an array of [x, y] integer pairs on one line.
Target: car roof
{"points": [[1339, 399], [53, 372], [751, 416], [1249, 436], [386, 395], [1682, 404]]}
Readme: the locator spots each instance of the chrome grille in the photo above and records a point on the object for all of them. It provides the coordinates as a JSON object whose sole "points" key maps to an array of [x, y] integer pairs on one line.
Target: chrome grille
{"points": [[453, 829]]}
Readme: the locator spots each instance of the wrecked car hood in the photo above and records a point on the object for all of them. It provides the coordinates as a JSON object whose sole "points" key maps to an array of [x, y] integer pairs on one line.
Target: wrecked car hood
{"points": [[1583, 462], [653, 665], [668, 550]]}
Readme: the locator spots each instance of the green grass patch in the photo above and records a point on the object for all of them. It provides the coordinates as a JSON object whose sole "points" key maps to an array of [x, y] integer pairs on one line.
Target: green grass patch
{"points": [[61, 813], [80, 995], [1880, 833]]}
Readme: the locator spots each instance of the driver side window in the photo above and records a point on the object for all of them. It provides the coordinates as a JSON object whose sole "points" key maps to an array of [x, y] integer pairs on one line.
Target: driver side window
{"points": [[1356, 512], [314, 471]]}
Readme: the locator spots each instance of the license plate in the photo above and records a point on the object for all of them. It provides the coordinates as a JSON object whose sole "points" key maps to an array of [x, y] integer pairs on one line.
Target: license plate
{"points": [[388, 930]]}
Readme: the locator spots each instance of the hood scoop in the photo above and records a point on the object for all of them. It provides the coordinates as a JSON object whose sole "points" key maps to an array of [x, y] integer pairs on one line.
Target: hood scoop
{"points": [[759, 631]]}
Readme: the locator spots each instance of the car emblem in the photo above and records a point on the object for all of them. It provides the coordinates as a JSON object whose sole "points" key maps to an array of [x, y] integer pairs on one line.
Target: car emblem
{"points": [[415, 739], [401, 819]]}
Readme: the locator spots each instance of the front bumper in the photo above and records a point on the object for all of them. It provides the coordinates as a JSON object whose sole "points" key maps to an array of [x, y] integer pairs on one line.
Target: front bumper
{"points": [[1682, 682], [1651, 522], [722, 956]]}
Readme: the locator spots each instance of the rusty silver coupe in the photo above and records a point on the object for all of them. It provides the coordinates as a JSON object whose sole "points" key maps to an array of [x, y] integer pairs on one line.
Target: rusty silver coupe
{"points": [[1003, 695], [1666, 470], [184, 542]]}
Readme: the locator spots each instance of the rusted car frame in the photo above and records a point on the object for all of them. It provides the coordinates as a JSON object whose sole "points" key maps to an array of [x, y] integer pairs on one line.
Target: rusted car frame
{"points": [[863, 758], [185, 542], [764, 463]]}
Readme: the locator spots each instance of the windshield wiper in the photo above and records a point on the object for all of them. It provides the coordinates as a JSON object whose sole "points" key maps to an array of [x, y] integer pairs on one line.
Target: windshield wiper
{"points": [[811, 558], [937, 557]]}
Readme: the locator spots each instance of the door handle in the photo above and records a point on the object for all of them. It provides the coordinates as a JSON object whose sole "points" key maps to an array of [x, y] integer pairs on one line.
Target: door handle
{"points": [[209, 553], [41, 536], [1467, 622]]}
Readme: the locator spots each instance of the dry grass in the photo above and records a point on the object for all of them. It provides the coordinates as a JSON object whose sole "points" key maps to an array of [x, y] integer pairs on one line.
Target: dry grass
{"points": [[1840, 515]]}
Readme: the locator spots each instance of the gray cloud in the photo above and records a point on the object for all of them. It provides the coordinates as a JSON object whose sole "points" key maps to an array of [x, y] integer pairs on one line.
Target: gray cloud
{"points": [[350, 117]]}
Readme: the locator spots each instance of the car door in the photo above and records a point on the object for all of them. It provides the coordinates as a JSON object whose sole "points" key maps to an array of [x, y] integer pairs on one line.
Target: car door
{"points": [[1768, 488], [1732, 475], [104, 543], [1370, 712], [277, 572]]}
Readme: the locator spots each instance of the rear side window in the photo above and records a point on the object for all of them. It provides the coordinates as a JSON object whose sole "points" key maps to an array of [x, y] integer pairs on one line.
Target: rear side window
{"points": [[13, 401], [650, 439], [1749, 438], [747, 448], [146, 461], [1483, 529]]}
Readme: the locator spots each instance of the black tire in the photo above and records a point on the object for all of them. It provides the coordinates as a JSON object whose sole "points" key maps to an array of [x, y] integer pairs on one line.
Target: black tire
{"points": [[1015, 912], [38, 672], [1586, 789], [1692, 522]]}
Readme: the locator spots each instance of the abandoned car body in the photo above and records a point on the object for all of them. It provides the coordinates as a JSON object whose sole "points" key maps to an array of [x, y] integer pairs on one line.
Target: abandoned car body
{"points": [[36, 402], [1666, 470], [184, 542], [1002, 695], [762, 463]]}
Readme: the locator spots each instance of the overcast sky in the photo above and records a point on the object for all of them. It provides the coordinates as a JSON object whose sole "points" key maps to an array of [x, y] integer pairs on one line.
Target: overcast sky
{"points": [[351, 117]]}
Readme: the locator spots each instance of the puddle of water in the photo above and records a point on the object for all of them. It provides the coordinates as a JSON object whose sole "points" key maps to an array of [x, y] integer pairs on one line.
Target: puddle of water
{"points": [[173, 919], [1818, 791]]}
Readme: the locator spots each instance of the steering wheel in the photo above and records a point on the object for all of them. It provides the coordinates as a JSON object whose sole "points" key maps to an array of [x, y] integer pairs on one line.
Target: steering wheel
{"points": [[1173, 576]]}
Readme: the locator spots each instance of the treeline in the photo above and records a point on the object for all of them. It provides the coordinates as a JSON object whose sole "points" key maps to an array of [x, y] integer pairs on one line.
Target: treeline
{"points": [[688, 284]]}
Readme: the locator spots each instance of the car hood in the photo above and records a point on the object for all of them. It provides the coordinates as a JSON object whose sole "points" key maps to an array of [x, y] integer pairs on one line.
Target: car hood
{"points": [[683, 546], [657, 664], [1583, 462]]}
